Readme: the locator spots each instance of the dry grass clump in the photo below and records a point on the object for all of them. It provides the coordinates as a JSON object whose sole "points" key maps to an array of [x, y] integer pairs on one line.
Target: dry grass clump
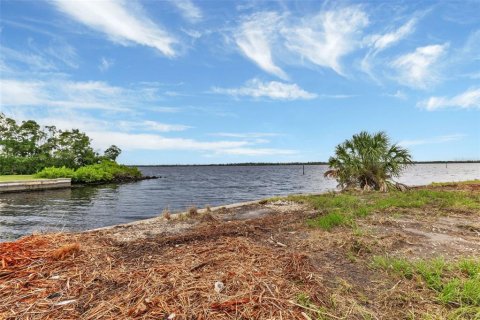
{"points": [[166, 214], [66, 250], [192, 211]]}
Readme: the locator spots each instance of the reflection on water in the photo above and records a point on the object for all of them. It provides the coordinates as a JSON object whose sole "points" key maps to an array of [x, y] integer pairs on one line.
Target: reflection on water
{"points": [[92, 207]]}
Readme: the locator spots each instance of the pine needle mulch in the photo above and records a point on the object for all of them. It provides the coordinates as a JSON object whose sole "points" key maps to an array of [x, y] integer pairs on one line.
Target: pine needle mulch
{"points": [[91, 276]]}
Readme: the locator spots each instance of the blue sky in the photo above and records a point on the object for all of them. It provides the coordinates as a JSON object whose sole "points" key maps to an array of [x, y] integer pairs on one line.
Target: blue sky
{"points": [[221, 81]]}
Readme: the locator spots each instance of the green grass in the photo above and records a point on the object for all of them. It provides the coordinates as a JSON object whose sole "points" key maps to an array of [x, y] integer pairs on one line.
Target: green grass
{"points": [[337, 209], [398, 266], [10, 178], [328, 221], [456, 284]]}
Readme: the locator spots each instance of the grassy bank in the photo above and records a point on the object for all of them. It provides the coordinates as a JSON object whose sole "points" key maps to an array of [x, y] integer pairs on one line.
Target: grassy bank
{"points": [[336, 209], [16, 177], [411, 255]]}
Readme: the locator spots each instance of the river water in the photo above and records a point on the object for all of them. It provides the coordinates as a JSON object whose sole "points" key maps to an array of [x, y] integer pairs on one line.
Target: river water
{"points": [[85, 208]]}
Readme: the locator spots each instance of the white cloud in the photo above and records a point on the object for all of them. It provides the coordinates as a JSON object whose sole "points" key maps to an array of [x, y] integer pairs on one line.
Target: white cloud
{"points": [[188, 10], [33, 61], [163, 127], [60, 94], [48, 58], [21, 93], [273, 90], [121, 21], [62, 52], [418, 69], [470, 99], [435, 140], [327, 37], [322, 39], [380, 42], [383, 41], [255, 37], [144, 141], [105, 64]]}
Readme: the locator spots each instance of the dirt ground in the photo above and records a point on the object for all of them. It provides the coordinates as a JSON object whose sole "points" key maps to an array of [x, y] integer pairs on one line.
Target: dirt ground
{"points": [[257, 261]]}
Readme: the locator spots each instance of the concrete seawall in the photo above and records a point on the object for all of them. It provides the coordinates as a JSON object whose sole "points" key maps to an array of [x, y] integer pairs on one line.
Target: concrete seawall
{"points": [[31, 185]]}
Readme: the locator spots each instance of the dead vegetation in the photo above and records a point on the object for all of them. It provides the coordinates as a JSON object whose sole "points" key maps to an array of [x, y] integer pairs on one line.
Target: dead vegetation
{"points": [[270, 263]]}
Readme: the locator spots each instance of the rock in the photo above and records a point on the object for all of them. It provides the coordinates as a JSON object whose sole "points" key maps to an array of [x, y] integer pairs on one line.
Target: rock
{"points": [[219, 286]]}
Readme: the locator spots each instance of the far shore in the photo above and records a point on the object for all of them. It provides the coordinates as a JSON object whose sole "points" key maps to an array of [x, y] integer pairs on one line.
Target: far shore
{"points": [[244, 164]]}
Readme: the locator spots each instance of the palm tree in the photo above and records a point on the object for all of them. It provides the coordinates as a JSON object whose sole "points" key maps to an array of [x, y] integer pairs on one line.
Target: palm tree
{"points": [[368, 161]]}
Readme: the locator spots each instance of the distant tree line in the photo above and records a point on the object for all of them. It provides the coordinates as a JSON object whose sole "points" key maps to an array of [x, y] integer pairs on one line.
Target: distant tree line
{"points": [[27, 147]]}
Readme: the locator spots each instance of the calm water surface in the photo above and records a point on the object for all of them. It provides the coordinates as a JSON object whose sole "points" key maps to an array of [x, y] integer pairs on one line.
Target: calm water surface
{"points": [[180, 187]]}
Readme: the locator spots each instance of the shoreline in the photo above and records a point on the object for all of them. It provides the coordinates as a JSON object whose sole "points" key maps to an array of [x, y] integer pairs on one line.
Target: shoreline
{"points": [[41, 184], [34, 185]]}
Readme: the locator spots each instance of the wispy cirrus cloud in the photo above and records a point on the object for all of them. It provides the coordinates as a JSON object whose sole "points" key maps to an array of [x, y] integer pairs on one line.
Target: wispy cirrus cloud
{"points": [[122, 22], [273, 90], [385, 40], [255, 38], [379, 42], [48, 58], [418, 69], [188, 10], [469, 99], [434, 140], [325, 38], [322, 39]]}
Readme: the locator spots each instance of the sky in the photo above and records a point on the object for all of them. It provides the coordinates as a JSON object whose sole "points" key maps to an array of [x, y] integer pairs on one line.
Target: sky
{"points": [[197, 82]]}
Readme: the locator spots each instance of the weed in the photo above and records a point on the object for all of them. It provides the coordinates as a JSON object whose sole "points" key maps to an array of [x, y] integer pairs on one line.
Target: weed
{"points": [[328, 221], [456, 284], [304, 300]]}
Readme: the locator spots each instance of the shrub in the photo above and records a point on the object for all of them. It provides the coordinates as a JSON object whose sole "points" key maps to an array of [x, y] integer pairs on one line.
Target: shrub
{"points": [[93, 173], [53, 173], [105, 171]]}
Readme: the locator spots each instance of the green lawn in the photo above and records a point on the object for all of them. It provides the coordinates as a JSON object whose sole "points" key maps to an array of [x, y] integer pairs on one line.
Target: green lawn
{"points": [[16, 177]]}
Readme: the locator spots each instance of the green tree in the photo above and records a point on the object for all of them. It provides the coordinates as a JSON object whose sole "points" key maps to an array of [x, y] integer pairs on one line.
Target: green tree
{"points": [[368, 161], [26, 147], [112, 152], [73, 150]]}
